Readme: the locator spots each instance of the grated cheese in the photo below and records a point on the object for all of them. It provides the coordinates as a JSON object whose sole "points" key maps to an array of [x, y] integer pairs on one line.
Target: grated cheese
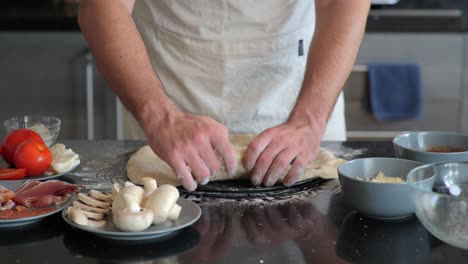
{"points": [[380, 177]]}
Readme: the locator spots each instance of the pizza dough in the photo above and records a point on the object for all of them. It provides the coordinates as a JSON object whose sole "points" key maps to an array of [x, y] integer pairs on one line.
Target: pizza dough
{"points": [[145, 163]]}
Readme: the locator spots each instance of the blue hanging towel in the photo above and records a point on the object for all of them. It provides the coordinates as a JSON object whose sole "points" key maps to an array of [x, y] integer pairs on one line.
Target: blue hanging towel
{"points": [[395, 91]]}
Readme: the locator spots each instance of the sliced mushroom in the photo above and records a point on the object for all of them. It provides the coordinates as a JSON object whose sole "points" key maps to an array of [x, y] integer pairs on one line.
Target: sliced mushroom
{"points": [[92, 202], [83, 206], [93, 215], [175, 212], [78, 217], [101, 196]]}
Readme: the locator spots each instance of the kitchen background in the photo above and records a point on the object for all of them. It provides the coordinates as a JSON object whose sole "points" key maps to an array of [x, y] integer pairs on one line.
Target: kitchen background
{"points": [[46, 68]]}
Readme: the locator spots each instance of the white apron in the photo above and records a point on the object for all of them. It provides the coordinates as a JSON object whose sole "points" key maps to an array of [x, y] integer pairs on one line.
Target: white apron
{"points": [[240, 62]]}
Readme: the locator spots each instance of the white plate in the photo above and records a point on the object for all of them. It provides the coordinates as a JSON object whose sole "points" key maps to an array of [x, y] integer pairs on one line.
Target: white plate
{"points": [[189, 214], [29, 220], [16, 183]]}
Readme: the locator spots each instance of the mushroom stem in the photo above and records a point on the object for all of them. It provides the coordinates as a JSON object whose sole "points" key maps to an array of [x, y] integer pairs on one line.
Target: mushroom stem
{"points": [[150, 185], [175, 212], [115, 189], [131, 205], [136, 192]]}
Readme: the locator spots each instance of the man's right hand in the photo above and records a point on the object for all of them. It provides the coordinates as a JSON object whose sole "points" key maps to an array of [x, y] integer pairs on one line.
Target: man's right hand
{"points": [[194, 146], [179, 139]]}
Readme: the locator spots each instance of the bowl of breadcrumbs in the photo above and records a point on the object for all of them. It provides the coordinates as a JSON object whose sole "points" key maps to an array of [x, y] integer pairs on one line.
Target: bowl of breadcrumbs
{"points": [[376, 187]]}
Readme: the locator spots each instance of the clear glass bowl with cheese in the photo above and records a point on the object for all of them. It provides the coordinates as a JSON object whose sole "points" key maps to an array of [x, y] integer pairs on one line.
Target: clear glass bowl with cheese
{"points": [[48, 127]]}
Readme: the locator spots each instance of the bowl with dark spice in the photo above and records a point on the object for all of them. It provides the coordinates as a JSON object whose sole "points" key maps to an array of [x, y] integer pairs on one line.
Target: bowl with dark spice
{"points": [[376, 187], [431, 146]]}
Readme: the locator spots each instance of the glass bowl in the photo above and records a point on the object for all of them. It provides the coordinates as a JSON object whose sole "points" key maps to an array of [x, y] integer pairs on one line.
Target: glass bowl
{"points": [[438, 208], [48, 127]]}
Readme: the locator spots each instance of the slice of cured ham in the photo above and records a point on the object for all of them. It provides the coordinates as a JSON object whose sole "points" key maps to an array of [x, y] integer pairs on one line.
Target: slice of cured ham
{"points": [[36, 188], [26, 185], [41, 201], [41, 194], [7, 205], [5, 194]]}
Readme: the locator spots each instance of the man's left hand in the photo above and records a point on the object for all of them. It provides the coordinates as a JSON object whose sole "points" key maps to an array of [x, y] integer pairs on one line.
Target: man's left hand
{"points": [[271, 152]]}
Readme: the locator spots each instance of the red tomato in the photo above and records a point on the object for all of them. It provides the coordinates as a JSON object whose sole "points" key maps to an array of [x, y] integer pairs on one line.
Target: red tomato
{"points": [[12, 174], [34, 156], [14, 139]]}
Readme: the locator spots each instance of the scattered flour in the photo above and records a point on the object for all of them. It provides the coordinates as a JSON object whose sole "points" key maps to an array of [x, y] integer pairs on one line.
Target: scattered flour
{"points": [[267, 201], [345, 152]]}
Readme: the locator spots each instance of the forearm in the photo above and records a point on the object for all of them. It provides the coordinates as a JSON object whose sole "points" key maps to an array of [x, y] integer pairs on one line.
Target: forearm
{"points": [[122, 58], [340, 26]]}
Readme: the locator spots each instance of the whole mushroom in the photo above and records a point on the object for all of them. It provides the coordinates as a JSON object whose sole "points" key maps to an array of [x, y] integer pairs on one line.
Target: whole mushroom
{"points": [[162, 202], [136, 192], [131, 217]]}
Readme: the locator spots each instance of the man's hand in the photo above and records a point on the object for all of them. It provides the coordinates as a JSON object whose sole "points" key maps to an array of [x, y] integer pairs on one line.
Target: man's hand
{"points": [[332, 54], [179, 139], [192, 145], [271, 152]]}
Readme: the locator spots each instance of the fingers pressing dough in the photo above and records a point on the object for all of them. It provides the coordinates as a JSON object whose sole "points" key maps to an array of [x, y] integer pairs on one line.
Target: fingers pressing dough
{"points": [[145, 163]]}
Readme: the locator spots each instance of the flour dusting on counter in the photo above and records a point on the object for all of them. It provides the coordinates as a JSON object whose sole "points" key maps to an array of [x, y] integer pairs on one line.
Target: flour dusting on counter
{"points": [[346, 152], [268, 200]]}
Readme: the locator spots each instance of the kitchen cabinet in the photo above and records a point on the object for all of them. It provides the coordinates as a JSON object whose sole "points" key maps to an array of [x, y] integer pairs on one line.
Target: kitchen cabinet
{"points": [[45, 73], [441, 59]]}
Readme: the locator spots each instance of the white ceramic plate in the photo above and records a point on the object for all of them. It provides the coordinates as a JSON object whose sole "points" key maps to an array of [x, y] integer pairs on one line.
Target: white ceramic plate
{"points": [[190, 213], [29, 220], [6, 183]]}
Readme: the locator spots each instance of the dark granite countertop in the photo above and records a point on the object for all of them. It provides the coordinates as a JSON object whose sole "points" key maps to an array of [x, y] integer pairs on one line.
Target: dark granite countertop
{"points": [[311, 226], [406, 16]]}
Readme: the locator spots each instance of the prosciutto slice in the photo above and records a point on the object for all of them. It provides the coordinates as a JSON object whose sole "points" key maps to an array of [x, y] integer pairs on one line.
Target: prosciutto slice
{"points": [[42, 201], [42, 194], [26, 185], [7, 205], [5, 194]]}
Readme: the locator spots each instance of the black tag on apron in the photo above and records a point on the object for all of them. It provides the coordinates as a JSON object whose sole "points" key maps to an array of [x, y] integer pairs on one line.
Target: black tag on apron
{"points": [[300, 49]]}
